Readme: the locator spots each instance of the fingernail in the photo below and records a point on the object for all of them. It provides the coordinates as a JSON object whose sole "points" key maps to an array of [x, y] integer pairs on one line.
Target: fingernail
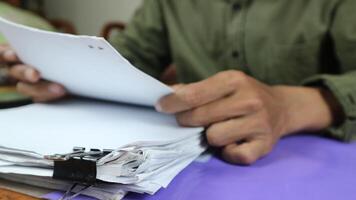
{"points": [[56, 89], [30, 75], [10, 54], [158, 107]]}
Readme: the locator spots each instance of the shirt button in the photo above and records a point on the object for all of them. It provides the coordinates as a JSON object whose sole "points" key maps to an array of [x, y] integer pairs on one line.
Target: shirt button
{"points": [[236, 7], [235, 54]]}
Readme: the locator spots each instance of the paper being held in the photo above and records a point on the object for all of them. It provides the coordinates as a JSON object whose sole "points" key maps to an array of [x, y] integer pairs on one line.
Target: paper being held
{"points": [[84, 65]]}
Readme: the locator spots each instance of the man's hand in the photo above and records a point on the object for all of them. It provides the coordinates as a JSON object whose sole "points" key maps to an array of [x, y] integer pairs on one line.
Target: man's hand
{"points": [[29, 80], [244, 116]]}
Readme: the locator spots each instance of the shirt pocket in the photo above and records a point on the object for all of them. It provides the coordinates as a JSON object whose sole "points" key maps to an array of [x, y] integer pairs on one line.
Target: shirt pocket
{"points": [[292, 63]]}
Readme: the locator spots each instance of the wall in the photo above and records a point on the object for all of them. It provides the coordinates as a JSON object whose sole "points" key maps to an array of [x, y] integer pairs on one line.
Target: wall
{"points": [[89, 16]]}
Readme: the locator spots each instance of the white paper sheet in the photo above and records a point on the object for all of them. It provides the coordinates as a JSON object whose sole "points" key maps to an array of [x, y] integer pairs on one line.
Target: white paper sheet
{"points": [[21, 170], [56, 128], [4, 163], [86, 66]]}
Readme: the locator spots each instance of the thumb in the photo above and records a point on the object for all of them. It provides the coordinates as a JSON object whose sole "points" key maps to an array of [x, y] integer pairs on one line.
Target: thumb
{"points": [[177, 86]]}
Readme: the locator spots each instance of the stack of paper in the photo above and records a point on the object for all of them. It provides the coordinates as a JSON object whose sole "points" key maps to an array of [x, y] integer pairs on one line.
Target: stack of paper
{"points": [[148, 149]]}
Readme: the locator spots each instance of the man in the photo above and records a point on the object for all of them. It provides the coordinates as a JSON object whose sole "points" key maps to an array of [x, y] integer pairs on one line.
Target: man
{"points": [[251, 71]]}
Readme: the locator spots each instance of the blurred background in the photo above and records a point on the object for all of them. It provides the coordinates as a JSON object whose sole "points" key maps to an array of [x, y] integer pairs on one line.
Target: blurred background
{"points": [[87, 17]]}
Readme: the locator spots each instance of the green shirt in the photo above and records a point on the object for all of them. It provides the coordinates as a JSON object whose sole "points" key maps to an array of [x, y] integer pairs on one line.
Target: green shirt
{"points": [[310, 42]]}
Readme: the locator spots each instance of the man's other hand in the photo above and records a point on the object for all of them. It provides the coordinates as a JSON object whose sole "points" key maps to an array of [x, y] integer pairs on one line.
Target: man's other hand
{"points": [[28, 79], [245, 117]]}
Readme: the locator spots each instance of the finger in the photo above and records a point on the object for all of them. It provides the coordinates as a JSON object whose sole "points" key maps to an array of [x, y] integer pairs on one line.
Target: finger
{"points": [[218, 111], [231, 131], [200, 93], [245, 153], [42, 91], [8, 54], [177, 86], [24, 73]]}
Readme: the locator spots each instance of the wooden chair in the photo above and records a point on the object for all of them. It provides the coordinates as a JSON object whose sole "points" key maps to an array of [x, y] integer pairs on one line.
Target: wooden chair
{"points": [[15, 3], [169, 76], [110, 27], [63, 26]]}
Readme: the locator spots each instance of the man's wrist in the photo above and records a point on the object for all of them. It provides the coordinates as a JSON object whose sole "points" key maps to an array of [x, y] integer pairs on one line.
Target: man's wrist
{"points": [[308, 109]]}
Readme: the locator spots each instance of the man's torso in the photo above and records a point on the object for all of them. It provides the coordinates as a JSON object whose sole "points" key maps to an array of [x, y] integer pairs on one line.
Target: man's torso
{"points": [[275, 41]]}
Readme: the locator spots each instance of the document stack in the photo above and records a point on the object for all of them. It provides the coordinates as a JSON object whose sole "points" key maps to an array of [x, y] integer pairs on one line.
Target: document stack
{"points": [[103, 148]]}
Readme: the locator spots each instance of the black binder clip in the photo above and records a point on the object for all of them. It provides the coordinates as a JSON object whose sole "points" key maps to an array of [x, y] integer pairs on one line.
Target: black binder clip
{"points": [[78, 166]]}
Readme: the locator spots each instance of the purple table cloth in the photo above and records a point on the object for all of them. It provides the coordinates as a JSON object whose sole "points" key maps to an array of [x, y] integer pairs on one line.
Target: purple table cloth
{"points": [[300, 167]]}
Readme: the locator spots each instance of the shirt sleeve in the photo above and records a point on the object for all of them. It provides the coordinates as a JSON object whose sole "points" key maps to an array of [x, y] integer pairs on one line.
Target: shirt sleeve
{"points": [[343, 86], [144, 41]]}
